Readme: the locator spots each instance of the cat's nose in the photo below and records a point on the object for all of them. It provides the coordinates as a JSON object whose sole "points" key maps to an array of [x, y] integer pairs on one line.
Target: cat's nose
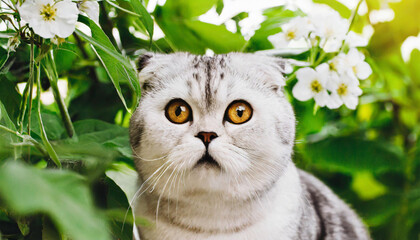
{"points": [[206, 137]]}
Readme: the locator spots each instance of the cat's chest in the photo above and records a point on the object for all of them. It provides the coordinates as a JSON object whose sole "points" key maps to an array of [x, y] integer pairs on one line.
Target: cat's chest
{"points": [[273, 218], [272, 228]]}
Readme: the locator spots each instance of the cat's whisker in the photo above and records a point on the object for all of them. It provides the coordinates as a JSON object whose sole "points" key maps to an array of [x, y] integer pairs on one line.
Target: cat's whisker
{"points": [[173, 185], [160, 176], [137, 194], [161, 194], [148, 160], [178, 187]]}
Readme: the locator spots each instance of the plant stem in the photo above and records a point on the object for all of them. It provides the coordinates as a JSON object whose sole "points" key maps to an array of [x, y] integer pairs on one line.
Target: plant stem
{"points": [[31, 82], [53, 78], [23, 105], [353, 17], [51, 152], [291, 77], [354, 14], [36, 144]]}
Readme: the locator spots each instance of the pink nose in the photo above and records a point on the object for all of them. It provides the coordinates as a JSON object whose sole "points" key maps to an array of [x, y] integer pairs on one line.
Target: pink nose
{"points": [[206, 137]]}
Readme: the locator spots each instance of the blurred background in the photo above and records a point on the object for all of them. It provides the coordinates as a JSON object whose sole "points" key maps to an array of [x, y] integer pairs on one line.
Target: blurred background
{"points": [[369, 156]]}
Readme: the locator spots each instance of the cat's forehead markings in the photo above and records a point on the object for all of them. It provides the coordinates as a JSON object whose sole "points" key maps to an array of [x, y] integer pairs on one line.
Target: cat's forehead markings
{"points": [[208, 71]]}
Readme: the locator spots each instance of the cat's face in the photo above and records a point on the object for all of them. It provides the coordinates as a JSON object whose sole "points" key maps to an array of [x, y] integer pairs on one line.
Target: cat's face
{"points": [[211, 124]]}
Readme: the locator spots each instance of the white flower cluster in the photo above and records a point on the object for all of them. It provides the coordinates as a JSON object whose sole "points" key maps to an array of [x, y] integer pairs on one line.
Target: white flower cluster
{"points": [[56, 19], [336, 81], [327, 30]]}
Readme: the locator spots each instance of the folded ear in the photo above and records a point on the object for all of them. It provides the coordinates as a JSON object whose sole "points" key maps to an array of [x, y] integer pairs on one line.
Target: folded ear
{"points": [[143, 60], [144, 69]]}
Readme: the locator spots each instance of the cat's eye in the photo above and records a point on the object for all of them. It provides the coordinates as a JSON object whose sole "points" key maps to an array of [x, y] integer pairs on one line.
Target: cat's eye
{"points": [[238, 112], [178, 111]]}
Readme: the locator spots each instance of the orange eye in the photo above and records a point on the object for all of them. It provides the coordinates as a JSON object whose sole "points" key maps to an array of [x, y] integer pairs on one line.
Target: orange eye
{"points": [[238, 112], [178, 111]]}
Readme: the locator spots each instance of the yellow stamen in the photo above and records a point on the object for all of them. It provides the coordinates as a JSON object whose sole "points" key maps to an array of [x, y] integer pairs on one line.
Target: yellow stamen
{"points": [[354, 69], [48, 12], [342, 90], [290, 35], [316, 86]]}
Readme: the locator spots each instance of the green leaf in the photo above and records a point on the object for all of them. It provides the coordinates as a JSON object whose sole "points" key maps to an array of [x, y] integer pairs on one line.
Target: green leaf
{"points": [[5, 119], [98, 131], [10, 97], [344, 11], [366, 186], [414, 67], [219, 6], [186, 33], [23, 224], [373, 4], [49, 232], [145, 18], [60, 194], [121, 225], [352, 154], [218, 38], [117, 66], [55, 129], [64, 56], [121, 144], [180, 37], [125, 177], [4, 56], [189, 8], [124, 180]]}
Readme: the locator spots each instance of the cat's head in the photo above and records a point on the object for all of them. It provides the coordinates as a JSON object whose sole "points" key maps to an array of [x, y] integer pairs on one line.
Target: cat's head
{"points": [[216, 124]]}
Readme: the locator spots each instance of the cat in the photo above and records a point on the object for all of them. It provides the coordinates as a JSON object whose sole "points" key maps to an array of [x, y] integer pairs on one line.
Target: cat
{"points": [[213, 141]]}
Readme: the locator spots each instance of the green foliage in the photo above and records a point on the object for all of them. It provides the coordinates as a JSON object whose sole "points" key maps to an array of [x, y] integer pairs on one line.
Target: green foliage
{"points": [[370, 156], [60, 194]]}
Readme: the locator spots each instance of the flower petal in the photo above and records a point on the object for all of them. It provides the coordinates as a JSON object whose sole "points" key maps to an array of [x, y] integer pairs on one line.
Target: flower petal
{"points": [[306, 74], [363, 70], [335, 101], [67, 11], [91, 8], [43, 29], [322, 98], [62, 29], [302, 92], [278, 40], [350, 101]]}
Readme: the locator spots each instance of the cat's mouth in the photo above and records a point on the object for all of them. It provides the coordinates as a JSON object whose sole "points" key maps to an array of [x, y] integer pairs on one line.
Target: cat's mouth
{"points": [[207, 161]]}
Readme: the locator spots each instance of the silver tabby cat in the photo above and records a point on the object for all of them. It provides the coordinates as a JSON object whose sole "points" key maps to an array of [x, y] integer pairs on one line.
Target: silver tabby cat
{"points": [[213, 139]]}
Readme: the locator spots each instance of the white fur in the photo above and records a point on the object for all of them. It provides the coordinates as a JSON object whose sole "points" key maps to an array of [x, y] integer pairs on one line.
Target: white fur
{"points": [[252, 155]]}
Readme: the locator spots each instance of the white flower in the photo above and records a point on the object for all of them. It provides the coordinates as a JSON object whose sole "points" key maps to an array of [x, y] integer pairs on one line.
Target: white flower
{"points": [[295, 29], [343, 90], [352, 64], [356, 40], [339, 63], [331, 28], [49, 18], [330, 25], [312, 83], [91, 8], [356, 61]]}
